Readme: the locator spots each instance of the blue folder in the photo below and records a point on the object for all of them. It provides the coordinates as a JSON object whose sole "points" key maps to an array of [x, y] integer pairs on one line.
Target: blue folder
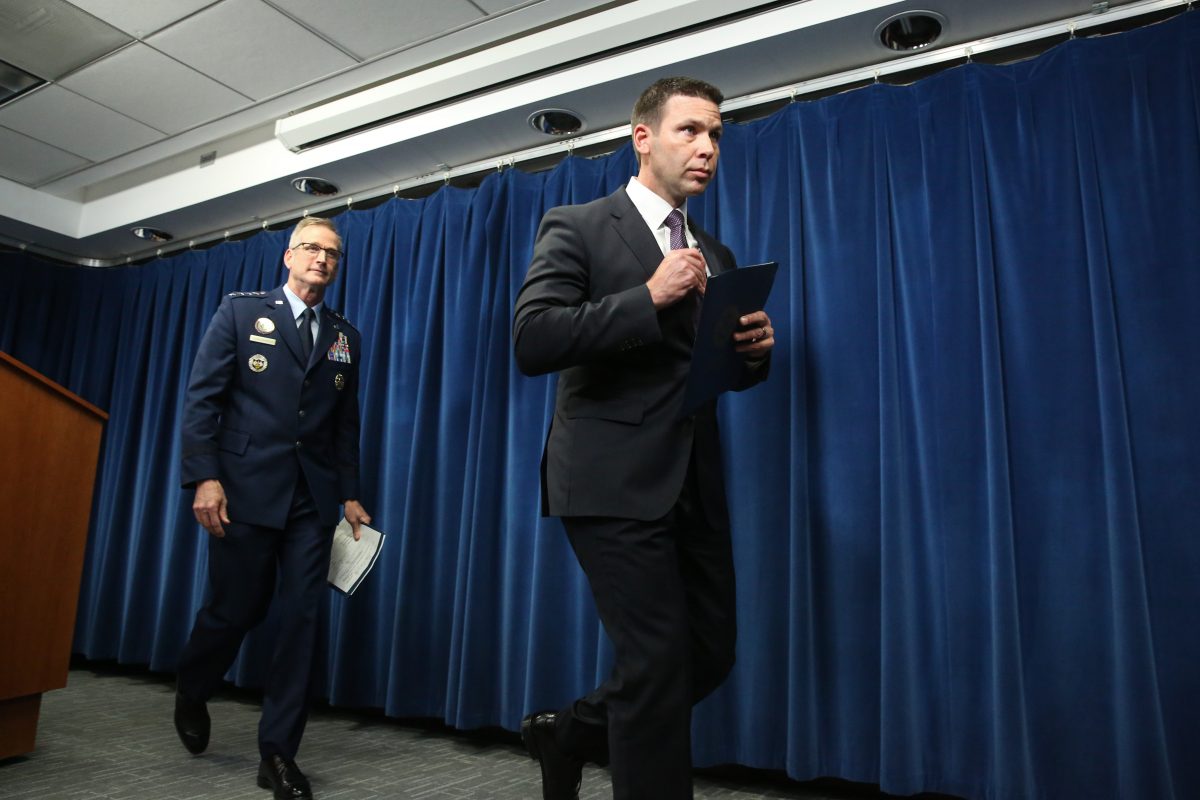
{"points": [[716, 366]]}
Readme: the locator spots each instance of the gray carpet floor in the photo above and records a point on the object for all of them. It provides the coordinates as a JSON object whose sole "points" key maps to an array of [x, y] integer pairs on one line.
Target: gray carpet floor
{"points": [[109, 736]]}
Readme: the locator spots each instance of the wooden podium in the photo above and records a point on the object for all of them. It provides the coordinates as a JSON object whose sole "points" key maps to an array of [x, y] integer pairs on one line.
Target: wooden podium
{"points": [[51, 440]]}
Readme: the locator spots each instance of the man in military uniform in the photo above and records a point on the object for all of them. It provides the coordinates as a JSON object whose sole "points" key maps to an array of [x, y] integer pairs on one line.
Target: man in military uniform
{"points": [[270, 444]]}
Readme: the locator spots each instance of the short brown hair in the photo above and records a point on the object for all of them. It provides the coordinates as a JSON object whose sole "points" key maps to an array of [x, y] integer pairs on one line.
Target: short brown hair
{"points": [[648, 110], [308, 222]]}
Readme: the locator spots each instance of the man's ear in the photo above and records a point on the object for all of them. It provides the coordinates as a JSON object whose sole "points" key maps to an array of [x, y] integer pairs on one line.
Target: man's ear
{"points": [[641, 138]]}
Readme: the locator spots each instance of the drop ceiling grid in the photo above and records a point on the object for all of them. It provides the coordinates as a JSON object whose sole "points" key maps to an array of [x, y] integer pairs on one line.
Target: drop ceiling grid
{"points": [[68, 121], [140, 18], [250, 47], [32, 162], [155, 89], [52, 37], [375, 27]]}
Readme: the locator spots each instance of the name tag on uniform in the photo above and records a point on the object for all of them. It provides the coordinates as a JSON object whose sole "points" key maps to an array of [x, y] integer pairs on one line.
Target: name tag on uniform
{"points": [[262, 339]]}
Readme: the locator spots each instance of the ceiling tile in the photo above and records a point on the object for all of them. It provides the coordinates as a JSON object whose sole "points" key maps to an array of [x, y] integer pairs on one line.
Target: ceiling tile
{"points": [[258, 51], [493, 6], [142, 83], [380, 26], [141, 17], [31, 162], [75, 124], [52, 37]]}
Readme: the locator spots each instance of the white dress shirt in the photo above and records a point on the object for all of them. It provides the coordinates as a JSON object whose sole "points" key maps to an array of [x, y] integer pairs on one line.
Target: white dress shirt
{"points": [[297, 305]]}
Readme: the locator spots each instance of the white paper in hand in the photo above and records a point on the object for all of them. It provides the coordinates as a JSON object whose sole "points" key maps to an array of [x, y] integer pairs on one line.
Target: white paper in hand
{"points": [[350, 561]]}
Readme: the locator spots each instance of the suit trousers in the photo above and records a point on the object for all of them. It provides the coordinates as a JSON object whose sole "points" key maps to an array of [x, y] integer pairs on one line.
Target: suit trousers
{"points": [[665, 593], [244, 567]]}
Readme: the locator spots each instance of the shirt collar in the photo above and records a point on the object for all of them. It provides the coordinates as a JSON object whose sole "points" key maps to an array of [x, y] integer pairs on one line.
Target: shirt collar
{"points": [[652, 207], [297, 305]]}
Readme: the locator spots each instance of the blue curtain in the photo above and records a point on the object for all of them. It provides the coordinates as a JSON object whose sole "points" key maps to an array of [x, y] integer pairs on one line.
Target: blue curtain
{"points": [[965, 505]]}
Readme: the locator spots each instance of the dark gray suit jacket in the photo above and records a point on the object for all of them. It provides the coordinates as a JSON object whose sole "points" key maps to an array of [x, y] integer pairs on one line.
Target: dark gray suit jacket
{"points": [[617, 446]]}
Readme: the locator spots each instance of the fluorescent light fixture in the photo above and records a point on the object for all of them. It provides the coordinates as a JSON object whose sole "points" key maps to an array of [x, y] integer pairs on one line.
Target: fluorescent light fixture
{"points": [[432, 90]]}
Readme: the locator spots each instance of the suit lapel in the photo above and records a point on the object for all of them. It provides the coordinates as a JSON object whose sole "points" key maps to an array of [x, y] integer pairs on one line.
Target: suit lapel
{"points": [[632, 229], [711, 257]]}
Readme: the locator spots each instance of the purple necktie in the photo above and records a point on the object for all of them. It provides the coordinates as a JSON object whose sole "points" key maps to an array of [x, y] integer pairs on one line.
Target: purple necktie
{"points": [[674, 221]]}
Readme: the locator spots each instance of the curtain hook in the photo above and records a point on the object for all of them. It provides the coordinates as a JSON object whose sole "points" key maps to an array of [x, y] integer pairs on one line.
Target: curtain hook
{"points": [[877, 76], [396, 191], [350, 202], [970, 55], [1072, 30]]}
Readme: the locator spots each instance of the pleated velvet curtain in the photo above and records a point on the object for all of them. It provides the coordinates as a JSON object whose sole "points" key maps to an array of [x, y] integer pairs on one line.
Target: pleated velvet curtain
{"points": [[966, 505]]}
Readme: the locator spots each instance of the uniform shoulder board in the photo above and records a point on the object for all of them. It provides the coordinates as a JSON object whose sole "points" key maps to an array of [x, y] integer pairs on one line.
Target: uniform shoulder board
{"points": [[338, 316], [247, 294]]}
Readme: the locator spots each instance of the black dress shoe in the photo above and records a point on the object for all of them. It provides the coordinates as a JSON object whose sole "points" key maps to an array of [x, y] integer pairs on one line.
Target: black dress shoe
{"points": [[192, 723], [284, 778], [561, 773]]}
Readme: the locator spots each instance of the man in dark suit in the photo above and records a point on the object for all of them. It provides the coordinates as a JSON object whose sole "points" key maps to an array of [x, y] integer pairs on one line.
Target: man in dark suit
{"points": [[270, 444], [609, 303]]}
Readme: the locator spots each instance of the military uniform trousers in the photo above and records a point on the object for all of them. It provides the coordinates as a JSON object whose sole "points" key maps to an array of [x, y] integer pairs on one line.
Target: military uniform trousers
{"points": [[244, 567]]}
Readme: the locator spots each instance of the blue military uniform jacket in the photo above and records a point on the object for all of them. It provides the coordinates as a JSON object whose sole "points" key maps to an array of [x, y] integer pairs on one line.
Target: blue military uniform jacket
{"points": [[256, 417]]}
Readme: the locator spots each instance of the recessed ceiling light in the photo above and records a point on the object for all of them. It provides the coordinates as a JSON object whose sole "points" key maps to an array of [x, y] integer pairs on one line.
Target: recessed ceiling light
{"points": [[151, 234], [318, 187], [555, 122], [910, 31]]}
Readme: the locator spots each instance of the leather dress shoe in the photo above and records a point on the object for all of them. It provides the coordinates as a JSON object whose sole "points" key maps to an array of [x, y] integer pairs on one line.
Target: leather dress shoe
{"points": [[562, 773], [284, 778], [192, 723]]}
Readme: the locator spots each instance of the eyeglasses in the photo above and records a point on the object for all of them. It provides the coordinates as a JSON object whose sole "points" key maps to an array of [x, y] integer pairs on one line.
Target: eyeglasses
{"points": [[332, 254]]}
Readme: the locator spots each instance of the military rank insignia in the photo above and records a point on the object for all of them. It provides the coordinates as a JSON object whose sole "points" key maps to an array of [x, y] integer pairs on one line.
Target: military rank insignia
{"points": [[340, 350]]}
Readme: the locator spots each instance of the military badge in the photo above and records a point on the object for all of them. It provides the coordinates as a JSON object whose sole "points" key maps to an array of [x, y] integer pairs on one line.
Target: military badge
{"points": [[339, 381], [264, 325], [339, 351], [258, 362]]}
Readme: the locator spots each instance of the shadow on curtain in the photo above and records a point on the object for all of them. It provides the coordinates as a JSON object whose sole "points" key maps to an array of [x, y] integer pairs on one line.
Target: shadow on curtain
{"points": [[965, 505]]}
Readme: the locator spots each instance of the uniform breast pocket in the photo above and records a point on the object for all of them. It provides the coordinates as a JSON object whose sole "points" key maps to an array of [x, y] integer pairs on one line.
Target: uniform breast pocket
{"points": [[232, 441]]}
